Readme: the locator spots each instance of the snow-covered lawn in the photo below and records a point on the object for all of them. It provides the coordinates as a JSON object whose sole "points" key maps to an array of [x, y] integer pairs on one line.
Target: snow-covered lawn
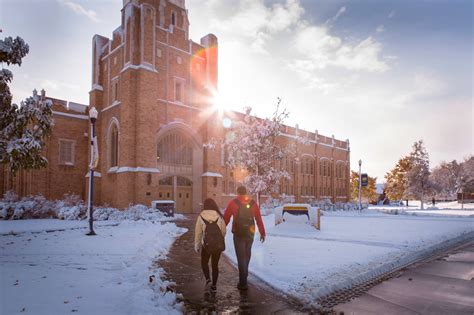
{"points": [[443, 209], [64, 271], [306, 263]]}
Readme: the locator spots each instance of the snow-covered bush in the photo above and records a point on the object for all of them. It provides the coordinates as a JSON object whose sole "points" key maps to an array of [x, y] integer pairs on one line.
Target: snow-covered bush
{"points": [[10, 196], [71, 213], [3, 210], [30, 207], [71, 207], [6, 209], [327, 205], [324, 204], [132, 213], [103, 213], [38, 207]]}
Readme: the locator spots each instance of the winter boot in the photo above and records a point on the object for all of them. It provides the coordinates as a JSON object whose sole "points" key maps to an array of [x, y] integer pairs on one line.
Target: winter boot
{"points": [[242, 287]]}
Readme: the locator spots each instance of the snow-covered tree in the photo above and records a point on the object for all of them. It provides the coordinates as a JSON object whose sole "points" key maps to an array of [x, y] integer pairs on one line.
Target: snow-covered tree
{"points": [[22, 128], [254, 148], [418, 177], [445, 179], [465, 180], [397, 179]]}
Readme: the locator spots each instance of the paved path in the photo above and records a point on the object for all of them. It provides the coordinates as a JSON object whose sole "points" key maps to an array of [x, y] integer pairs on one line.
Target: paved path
{"points": [[184, 268], [441, 286]]}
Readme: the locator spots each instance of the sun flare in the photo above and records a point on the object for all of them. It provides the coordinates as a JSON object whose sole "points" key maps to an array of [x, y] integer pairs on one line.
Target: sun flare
{"points": [[218, 102]]}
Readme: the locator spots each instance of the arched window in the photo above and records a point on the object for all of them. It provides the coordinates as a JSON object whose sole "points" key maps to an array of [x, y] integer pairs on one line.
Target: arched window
{"points": [[175, 148], [113, 145]]}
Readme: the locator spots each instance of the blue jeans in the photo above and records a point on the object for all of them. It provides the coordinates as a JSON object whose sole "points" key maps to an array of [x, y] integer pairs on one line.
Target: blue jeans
{"points": [[243, 250]]}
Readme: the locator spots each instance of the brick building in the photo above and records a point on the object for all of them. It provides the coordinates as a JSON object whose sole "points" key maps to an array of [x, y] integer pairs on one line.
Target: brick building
{"points": [[152, 87]]}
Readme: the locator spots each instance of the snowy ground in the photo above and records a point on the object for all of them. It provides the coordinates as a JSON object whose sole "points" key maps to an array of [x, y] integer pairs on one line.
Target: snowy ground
{"points": [[64, 271], [306, 263], [443, 209]]}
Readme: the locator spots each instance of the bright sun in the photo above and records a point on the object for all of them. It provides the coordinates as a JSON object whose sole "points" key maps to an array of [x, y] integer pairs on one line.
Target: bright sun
{"points": [[218, 102]]}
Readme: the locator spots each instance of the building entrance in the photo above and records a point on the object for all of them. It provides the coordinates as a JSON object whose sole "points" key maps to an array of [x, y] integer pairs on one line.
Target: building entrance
{"points": [[180, 190]]}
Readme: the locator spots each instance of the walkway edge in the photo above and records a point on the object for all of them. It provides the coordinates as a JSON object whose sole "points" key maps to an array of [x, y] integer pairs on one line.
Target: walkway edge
{"points": [[386, 271]]}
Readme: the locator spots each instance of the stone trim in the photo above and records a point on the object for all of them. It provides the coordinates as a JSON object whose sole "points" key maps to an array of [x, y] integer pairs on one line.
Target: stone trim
{"points": [[211, 174], [97, 87], [96, 174], [128, 169], [115, 103], [136, 67]]}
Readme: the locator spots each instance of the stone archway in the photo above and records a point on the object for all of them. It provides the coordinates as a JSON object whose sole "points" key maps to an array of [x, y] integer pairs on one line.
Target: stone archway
{"points": [[180, 161]]}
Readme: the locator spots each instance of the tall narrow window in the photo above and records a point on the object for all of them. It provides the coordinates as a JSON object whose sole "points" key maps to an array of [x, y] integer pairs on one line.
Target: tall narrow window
{"points": [[113, 153], [66, 152], [173, 18], [178, 91], [115, 91]]}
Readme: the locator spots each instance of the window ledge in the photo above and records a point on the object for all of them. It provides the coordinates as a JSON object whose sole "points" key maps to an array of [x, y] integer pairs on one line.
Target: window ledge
{"points": [[112, 169]]}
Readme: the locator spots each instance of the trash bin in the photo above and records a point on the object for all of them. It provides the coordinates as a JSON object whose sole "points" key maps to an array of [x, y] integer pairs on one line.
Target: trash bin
{"points": [[167, 207]]}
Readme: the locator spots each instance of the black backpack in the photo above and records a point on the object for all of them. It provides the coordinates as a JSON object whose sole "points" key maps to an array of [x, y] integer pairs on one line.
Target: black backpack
{"points": [[244, 222], [213, 239]]}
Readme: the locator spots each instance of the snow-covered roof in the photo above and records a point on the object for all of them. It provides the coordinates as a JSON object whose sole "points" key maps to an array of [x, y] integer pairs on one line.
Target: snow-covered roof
{"points": [[179, 3], [80, 108]]}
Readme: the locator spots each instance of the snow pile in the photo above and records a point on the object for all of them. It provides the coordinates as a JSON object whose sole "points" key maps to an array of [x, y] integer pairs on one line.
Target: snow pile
{"points": [[442, 209], [65, 271], [71, 207]]}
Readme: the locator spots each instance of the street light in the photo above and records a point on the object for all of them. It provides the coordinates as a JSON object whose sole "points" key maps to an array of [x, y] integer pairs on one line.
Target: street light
{"points": [[360, 184], [93, 118]]}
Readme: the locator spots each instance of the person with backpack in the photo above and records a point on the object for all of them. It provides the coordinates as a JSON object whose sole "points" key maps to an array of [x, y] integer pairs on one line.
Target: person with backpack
{"points": [[245, 212], [209, 239]]}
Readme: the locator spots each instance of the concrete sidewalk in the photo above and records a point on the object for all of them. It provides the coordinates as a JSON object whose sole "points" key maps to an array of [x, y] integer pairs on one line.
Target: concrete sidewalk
{"points": [[441, 286], [183, 266]]}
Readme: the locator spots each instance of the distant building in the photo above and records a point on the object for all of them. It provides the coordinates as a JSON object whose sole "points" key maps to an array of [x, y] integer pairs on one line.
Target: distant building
{"points": [[152, 86]]}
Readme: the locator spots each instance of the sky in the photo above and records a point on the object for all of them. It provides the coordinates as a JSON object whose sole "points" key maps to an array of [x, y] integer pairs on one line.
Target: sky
{"points": [[382, 74]]}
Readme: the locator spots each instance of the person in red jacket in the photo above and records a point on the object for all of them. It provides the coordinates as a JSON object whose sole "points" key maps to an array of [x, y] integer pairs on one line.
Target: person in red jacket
{"points": [[245, 212]]}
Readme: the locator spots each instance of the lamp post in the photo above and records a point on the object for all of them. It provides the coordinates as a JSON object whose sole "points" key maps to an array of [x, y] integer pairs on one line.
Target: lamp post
{"points": [[93, 118], [360, 184]]}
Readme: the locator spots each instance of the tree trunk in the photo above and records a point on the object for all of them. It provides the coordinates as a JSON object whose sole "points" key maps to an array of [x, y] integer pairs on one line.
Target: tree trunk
{"points": [[421, 199]]}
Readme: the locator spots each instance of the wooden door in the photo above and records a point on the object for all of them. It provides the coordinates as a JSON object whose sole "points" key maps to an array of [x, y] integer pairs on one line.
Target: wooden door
{"points": [[184, 200]]}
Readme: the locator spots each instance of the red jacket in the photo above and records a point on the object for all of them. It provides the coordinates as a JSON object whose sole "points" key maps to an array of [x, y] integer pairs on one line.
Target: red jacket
{"points": [[232, 209]]}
